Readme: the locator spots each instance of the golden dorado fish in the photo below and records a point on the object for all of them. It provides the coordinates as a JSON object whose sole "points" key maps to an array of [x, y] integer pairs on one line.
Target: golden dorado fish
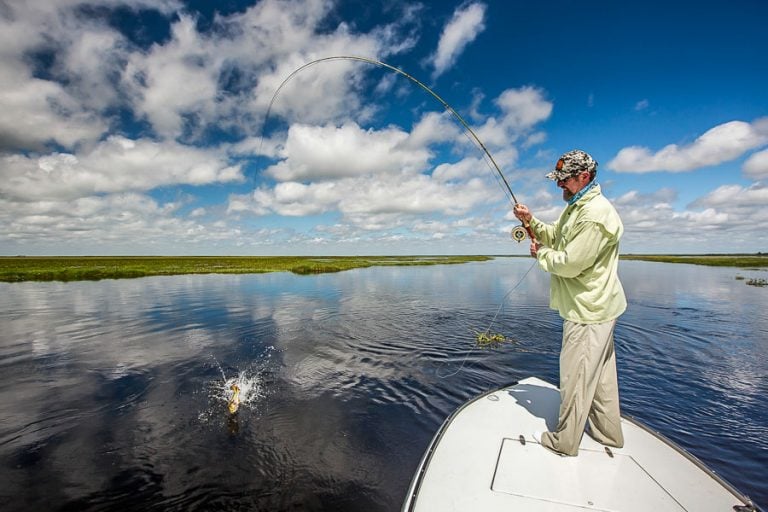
{"points": [[234, 402]]}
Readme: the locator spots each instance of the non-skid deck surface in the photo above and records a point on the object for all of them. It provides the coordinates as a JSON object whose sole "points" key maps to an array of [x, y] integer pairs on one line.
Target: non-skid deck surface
{"points": [[480, 464]]}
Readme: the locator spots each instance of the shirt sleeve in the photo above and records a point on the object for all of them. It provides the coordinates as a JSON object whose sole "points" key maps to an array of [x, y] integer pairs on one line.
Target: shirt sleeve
{"points": [[545, 233], [579, 254]]}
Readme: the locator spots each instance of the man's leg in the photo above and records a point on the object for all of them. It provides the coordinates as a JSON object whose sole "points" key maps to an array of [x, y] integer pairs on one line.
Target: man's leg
{"points": [[605, 414], [582, 355]]}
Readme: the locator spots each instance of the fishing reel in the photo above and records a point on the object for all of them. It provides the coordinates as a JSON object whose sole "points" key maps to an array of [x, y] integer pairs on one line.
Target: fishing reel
{"points": [[519, 233]]}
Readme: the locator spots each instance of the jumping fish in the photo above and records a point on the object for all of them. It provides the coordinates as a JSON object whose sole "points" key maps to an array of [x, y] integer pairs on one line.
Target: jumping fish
{"points": [[234, 402]]}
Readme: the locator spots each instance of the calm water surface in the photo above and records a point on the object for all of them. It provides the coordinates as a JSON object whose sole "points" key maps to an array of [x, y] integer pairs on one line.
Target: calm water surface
{"points": [[113, 393]]}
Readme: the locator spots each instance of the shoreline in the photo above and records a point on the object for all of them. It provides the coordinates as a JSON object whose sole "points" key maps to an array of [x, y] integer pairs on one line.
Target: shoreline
{"points": [[15, 269], [758, 260]]}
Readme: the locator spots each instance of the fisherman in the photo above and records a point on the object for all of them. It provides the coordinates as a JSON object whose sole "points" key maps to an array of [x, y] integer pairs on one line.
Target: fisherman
{"points": [[581, 252]]}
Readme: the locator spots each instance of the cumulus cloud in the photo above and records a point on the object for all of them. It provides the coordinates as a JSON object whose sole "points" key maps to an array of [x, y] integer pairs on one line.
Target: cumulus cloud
{"points": [[756, 166], [431, 128], [98, 118], [115, 165], [61, 98], [720, 144], [327, 152], [735, 197], [521, 110], [458, 170], [92, 220], [361, 197], [465, 25], [730, 212]]}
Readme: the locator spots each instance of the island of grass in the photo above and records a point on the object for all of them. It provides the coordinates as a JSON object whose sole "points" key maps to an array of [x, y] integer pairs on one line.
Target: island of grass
{"points": [[715, 260], [79, 268]]}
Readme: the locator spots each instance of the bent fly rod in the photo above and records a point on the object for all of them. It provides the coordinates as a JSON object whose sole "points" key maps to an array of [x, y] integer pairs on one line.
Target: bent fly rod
{"points": [[519, 233]]}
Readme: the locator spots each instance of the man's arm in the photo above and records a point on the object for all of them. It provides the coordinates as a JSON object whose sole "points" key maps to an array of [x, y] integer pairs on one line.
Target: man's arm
{"points": [[579, 254]]}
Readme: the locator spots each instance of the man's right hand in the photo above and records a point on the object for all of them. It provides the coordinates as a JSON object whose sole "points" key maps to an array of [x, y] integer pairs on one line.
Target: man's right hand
{"points": [[522, 213]]}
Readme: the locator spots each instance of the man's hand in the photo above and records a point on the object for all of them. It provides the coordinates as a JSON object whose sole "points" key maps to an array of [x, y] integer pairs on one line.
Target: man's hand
{"points": [[522, 213], [535, 248]]}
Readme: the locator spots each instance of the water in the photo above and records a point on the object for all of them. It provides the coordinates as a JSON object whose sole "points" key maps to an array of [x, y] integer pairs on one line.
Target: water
{"points": [[113, 394]]}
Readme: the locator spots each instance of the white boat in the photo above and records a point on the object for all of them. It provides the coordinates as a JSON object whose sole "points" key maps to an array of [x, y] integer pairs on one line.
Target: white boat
{"points": [[484, 458]]}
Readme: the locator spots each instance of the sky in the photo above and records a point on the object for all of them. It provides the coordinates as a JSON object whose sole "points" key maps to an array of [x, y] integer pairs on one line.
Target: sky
{"points": [[167, 127]]}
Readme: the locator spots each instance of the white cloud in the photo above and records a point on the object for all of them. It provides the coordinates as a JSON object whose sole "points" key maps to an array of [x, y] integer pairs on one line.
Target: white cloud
{"points": [[360, 198], [327, 152], [115, 165], [433, 127], [521, 110], [656, 199], [756, 166], [223, 77], [36, 112], [719, 144], [733, 197], [642, 105], [717, 221], [62, 101], [458, 170], [174, 79], [69, 80], [463, 28]]}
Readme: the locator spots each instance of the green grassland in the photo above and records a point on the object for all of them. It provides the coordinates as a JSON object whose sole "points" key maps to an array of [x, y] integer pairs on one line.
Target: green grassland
{"points": [[715, 260], [78, 268]]}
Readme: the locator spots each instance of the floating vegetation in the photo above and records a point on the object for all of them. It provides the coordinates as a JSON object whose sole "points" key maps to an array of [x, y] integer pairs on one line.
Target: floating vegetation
{"points": [[757, 282], [487, 339]]}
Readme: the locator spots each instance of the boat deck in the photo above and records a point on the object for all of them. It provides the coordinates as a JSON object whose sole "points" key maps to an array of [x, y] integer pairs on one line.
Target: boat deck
{"points": [[485, 459]]}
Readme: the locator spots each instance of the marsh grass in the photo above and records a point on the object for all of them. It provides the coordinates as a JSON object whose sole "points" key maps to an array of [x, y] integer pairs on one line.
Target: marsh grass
{"points": [[66, 268], [715, 260]]}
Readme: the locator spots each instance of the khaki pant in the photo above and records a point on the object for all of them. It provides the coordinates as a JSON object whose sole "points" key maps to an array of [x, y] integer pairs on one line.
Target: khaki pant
{"points": [[589, 389]]}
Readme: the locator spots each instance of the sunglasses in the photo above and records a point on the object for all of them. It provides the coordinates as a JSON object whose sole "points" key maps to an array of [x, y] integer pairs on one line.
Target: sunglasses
{"points": [[563, 180]]}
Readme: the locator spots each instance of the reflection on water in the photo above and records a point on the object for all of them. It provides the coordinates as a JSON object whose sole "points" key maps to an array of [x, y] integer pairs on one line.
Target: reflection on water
{"points": [[113, 394]]}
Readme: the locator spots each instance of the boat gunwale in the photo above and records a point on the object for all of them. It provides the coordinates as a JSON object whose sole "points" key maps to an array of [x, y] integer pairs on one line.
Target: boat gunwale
{"points": [[413, 488], [747, 502]]}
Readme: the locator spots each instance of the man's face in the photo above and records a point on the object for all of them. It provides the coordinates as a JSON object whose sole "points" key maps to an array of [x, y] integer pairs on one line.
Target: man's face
{"points": [[572, 184]]}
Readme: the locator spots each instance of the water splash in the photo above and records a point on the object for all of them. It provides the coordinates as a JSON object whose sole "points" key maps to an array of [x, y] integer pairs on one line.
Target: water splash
{"points": [[249, 384]]}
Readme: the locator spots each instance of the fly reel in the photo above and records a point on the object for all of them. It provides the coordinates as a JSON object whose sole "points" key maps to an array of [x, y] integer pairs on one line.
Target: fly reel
{"points": [[519, 234]]}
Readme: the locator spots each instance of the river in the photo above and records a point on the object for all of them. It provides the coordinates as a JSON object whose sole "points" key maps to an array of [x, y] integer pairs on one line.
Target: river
{"points": [[113, 393]]}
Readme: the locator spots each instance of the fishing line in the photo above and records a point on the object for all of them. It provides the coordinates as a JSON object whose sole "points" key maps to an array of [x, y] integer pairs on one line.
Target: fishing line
{"points": [[519, 233], [488, 329]]}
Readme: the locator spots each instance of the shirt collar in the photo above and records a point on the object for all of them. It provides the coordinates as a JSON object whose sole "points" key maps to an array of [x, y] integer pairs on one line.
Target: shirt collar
{"points": [[578, 195]]}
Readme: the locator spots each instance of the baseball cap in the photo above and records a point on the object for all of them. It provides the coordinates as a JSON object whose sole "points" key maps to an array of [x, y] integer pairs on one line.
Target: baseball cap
{"points": [[572, 163]]}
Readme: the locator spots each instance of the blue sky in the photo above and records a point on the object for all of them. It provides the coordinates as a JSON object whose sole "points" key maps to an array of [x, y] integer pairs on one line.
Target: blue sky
{"points": [[140, 127]]}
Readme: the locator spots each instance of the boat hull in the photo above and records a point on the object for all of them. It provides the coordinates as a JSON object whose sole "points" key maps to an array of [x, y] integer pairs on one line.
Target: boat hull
{"points": [[485, 458]]}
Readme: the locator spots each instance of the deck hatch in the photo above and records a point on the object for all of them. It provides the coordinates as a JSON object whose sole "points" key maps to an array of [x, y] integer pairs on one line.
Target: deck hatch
{"points": [[591, 480]]}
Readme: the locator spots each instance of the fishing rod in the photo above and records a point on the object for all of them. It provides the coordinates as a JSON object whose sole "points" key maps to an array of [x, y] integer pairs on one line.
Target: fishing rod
{"points": [[519, 233]]}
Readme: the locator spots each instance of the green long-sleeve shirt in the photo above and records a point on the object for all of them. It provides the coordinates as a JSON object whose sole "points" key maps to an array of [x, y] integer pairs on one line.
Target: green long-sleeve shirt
{"points": [[581, 252]]}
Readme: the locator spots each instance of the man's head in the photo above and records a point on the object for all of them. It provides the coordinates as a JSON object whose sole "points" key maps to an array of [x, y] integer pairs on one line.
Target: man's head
{"points": [[574, 171], [573, 163]]}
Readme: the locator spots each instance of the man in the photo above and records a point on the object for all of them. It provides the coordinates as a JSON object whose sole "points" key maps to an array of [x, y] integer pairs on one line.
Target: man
{"points": [[581, 252]]}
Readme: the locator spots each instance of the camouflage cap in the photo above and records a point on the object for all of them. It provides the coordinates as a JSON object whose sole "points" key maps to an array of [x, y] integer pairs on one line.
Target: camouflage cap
{"points": [[572, 163]]}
